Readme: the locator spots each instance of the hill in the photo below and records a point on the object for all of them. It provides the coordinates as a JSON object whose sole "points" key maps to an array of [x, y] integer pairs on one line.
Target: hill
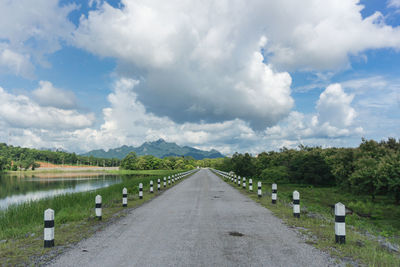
{"points": [[159, 148]]}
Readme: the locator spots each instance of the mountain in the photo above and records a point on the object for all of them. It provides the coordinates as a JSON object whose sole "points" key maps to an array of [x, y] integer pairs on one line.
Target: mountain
{"points": [[159, 149]]}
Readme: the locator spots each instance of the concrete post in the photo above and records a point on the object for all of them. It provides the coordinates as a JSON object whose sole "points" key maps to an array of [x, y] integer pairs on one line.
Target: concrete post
{"points": [[340, 223], [274, 193], [48, 228], [296, 204], [140, 190], [124, 197], [98, 207]]}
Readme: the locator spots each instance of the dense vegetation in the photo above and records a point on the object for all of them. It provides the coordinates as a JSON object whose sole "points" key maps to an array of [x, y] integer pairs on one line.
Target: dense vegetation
{"points": [[148, 162], [373, 168], [14, 158]]}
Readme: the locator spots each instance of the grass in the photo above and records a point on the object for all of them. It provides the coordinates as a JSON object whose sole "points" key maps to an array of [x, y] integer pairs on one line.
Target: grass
{"points": [[21, 226], [317, 222], [120, 172], [144, 172]]}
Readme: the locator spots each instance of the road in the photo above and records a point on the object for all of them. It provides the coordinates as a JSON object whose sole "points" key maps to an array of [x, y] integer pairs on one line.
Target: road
{"points": [[202, 221]]}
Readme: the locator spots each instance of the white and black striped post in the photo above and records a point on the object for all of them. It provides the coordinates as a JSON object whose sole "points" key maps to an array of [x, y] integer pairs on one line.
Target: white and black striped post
{"points": [[296, 204], [124, 197], [48, 228], [239, 181], [244, 182], [98, 206], [259, 189], [340, 224], [158, 185], [169, 180], [165, 182], [140, 190], [151, 186], [235, 179], [251, 184], [274, 193]]}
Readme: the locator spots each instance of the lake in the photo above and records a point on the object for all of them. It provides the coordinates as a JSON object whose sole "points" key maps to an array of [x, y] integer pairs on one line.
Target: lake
{"points": [[19, 188]]}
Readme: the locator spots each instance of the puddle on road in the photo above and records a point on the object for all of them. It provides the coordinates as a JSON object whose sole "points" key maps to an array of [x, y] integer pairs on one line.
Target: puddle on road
{"points": [[236, 234]]}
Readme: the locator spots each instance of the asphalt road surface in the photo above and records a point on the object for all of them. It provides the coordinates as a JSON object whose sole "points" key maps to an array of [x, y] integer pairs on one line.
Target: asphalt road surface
{"points": [[202, 221]]}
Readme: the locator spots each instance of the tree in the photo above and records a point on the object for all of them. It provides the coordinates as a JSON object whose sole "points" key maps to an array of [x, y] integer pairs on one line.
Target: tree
{"points": [[3, 163], [276, 174], [243, 164], [341, 162], [129, 162], [365, 177], [179, 164], [389, 175]]}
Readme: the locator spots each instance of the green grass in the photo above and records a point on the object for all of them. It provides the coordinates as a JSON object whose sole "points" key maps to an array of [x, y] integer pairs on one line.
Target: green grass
{"points": [[317, 221], [145, 172], [22, 225]]}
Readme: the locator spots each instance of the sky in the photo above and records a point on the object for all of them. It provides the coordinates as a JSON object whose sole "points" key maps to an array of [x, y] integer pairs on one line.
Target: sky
{"points": [[236, 76]]}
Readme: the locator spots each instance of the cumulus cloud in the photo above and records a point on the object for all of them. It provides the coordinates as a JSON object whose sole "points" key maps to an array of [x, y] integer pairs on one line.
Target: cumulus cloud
{"points": [[128, 122], [333, 107], [320, 35], [334, 118], [195, 63], [188, 65], [29, 30], [377, 104], [47, 95], [15, 63], [19, 111]]}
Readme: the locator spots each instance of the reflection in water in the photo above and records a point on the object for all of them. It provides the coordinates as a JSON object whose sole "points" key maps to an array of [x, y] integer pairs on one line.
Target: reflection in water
{"points": [[16, 190]]}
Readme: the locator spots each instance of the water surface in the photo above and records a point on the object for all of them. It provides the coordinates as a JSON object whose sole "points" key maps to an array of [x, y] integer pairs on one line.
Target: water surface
{"points": [[17, 189]]}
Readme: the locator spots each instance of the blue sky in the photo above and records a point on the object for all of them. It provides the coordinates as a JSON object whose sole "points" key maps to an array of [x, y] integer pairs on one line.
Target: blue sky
{"points": [[83, 75]]}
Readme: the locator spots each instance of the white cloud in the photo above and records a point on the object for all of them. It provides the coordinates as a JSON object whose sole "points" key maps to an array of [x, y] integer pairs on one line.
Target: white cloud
{"points": [[29, 30], [47, 95], [334, 118], [128, 122], [196, 63], [320, 35], [393, 3], [15, 63], [377, 100], [19, 111], [334, 108], [188, 64]]}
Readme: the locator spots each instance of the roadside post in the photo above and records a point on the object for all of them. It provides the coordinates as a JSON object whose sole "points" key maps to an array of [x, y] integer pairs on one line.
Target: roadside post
{"points": [[49, 228]]}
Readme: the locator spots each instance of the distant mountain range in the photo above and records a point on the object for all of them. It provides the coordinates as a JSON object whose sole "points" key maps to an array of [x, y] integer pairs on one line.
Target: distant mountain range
{"points": [[159, 149]]}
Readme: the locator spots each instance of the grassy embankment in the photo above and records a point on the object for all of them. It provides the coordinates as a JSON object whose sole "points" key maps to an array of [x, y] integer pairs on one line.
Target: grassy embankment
{"points": [[75, 170], [317, 221], [21, 226]]}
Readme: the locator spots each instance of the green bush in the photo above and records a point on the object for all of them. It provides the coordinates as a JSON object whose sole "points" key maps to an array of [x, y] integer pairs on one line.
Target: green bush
{"points": [[276, 174]]}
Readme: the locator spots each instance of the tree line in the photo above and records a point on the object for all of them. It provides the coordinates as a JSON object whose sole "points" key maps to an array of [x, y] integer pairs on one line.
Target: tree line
{"points": [[149, 162], [18, 158], [372, 168]]}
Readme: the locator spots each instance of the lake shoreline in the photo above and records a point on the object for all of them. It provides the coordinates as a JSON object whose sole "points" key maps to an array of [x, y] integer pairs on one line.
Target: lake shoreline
{"points": [[65, 169]]}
